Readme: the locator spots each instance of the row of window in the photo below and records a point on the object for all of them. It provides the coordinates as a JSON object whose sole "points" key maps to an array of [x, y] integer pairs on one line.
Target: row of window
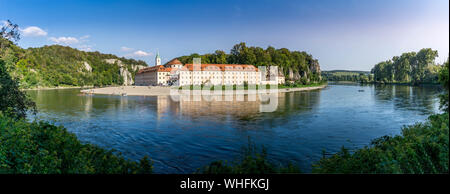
{"points": [[203, 72], [228, 82], [219, 77]]}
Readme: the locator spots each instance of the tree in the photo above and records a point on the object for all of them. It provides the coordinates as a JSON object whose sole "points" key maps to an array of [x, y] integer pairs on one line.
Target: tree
{"points": [[424, 57], [443, 78], [411, 67], [9, 31], [14, 102]]}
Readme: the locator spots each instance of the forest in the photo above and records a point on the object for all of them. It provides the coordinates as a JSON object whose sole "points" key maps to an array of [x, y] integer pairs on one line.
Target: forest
{"points": [[55, 66]]}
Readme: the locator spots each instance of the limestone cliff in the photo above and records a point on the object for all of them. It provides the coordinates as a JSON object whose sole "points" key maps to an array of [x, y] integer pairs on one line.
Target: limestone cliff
{"points": [[124, 70]]}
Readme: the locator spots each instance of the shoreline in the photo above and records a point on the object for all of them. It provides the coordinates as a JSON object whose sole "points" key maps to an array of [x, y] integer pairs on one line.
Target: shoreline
{"points": [[166, 91], [59, 88]]}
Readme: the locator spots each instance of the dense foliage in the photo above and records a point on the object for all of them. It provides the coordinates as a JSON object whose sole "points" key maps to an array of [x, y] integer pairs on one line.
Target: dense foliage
{"points": [[343, 75], [443, 79], [56, 65], [411, 67], [42, 148], [252, 161], [293, 64], [13, 102], [421, 148]]}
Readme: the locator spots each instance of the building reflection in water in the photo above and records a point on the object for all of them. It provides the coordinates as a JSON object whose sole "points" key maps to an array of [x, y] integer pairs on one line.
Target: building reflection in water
{"points": [[246, 108]]}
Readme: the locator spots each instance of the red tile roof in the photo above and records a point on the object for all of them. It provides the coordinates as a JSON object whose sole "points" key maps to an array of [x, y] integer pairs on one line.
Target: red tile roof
{"points": [[174, 62], [203, 67], [158, 68]]}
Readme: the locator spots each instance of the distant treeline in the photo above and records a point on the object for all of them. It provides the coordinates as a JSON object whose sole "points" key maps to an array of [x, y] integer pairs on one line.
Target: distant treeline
{"points": [[344, 75], [411, 67], [408, 68], [290, 63]]}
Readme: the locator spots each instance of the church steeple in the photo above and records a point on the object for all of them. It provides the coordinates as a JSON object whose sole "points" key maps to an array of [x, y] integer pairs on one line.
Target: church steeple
{"points": [[157, 59]]}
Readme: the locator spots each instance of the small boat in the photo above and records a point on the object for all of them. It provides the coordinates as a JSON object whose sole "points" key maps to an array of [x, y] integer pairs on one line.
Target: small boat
{"points": [[124, 94], [360, 90]]}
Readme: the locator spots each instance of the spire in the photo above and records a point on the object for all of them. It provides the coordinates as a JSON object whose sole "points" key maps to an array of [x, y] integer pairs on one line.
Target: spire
{"points": [[157, 58]]}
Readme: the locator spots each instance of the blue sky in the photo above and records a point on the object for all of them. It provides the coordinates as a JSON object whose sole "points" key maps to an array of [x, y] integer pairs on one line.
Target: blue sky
{"points": [[341, 34]]}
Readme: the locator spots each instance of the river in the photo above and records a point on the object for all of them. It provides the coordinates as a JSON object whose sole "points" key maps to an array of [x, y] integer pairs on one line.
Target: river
{"points": [[183, 136]]}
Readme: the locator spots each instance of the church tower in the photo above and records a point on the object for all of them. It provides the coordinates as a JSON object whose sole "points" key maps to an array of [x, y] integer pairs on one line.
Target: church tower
{"points": [[157, 59]]}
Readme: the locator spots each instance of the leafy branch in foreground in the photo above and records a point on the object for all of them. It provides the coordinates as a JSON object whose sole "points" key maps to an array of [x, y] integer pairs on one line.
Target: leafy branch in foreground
{"points": [[253, 161], [42, 148]]}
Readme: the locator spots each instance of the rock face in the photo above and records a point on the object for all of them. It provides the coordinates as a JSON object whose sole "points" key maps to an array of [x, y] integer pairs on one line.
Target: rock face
{"points": [[314, 68], [293, 76], [126, 75], [87, 67]]}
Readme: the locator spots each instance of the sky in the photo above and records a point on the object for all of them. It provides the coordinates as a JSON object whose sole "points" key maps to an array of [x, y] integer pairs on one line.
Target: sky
{"points": [[341, 34]]}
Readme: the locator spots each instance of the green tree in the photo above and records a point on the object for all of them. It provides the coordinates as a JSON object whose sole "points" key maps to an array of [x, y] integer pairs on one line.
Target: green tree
{"points": [[444, 80], [9, 31], [411, 67], [14, 102], [424, 57]]}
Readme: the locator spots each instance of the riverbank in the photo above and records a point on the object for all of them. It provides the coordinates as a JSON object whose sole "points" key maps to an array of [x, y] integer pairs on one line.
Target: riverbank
{"points": [[401, 83], [58, 88], [165, 91]]}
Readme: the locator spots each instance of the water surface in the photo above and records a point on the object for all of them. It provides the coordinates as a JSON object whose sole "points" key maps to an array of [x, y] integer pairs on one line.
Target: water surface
{"points": [[183, 136]]}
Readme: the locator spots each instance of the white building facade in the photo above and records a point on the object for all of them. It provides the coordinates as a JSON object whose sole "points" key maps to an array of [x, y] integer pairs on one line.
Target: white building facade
{"points": [[174, 73]]}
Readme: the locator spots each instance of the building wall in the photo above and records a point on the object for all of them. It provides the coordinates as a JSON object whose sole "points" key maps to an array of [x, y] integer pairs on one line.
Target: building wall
{"points": [[215, 77], [146, 79], [218, 77]]}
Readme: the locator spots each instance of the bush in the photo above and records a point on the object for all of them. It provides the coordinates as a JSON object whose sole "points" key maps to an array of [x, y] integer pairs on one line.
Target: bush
{"points": [[253, 161], [42, 148], [421, 148]]}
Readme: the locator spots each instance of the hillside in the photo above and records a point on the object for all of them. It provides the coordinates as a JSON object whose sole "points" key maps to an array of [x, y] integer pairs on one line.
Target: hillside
{"points": [[295, 65], [55, 65]]}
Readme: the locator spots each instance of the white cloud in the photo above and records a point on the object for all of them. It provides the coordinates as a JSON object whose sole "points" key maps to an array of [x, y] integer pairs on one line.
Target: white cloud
{"points": [[85, 37], [3, 23], [140, 53], [85, 47], [125, 49], [65, 40], [33, 31]]}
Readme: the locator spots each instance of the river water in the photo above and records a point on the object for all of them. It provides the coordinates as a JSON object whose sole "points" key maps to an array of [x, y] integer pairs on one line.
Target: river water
{"points": [[183, 136]]}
